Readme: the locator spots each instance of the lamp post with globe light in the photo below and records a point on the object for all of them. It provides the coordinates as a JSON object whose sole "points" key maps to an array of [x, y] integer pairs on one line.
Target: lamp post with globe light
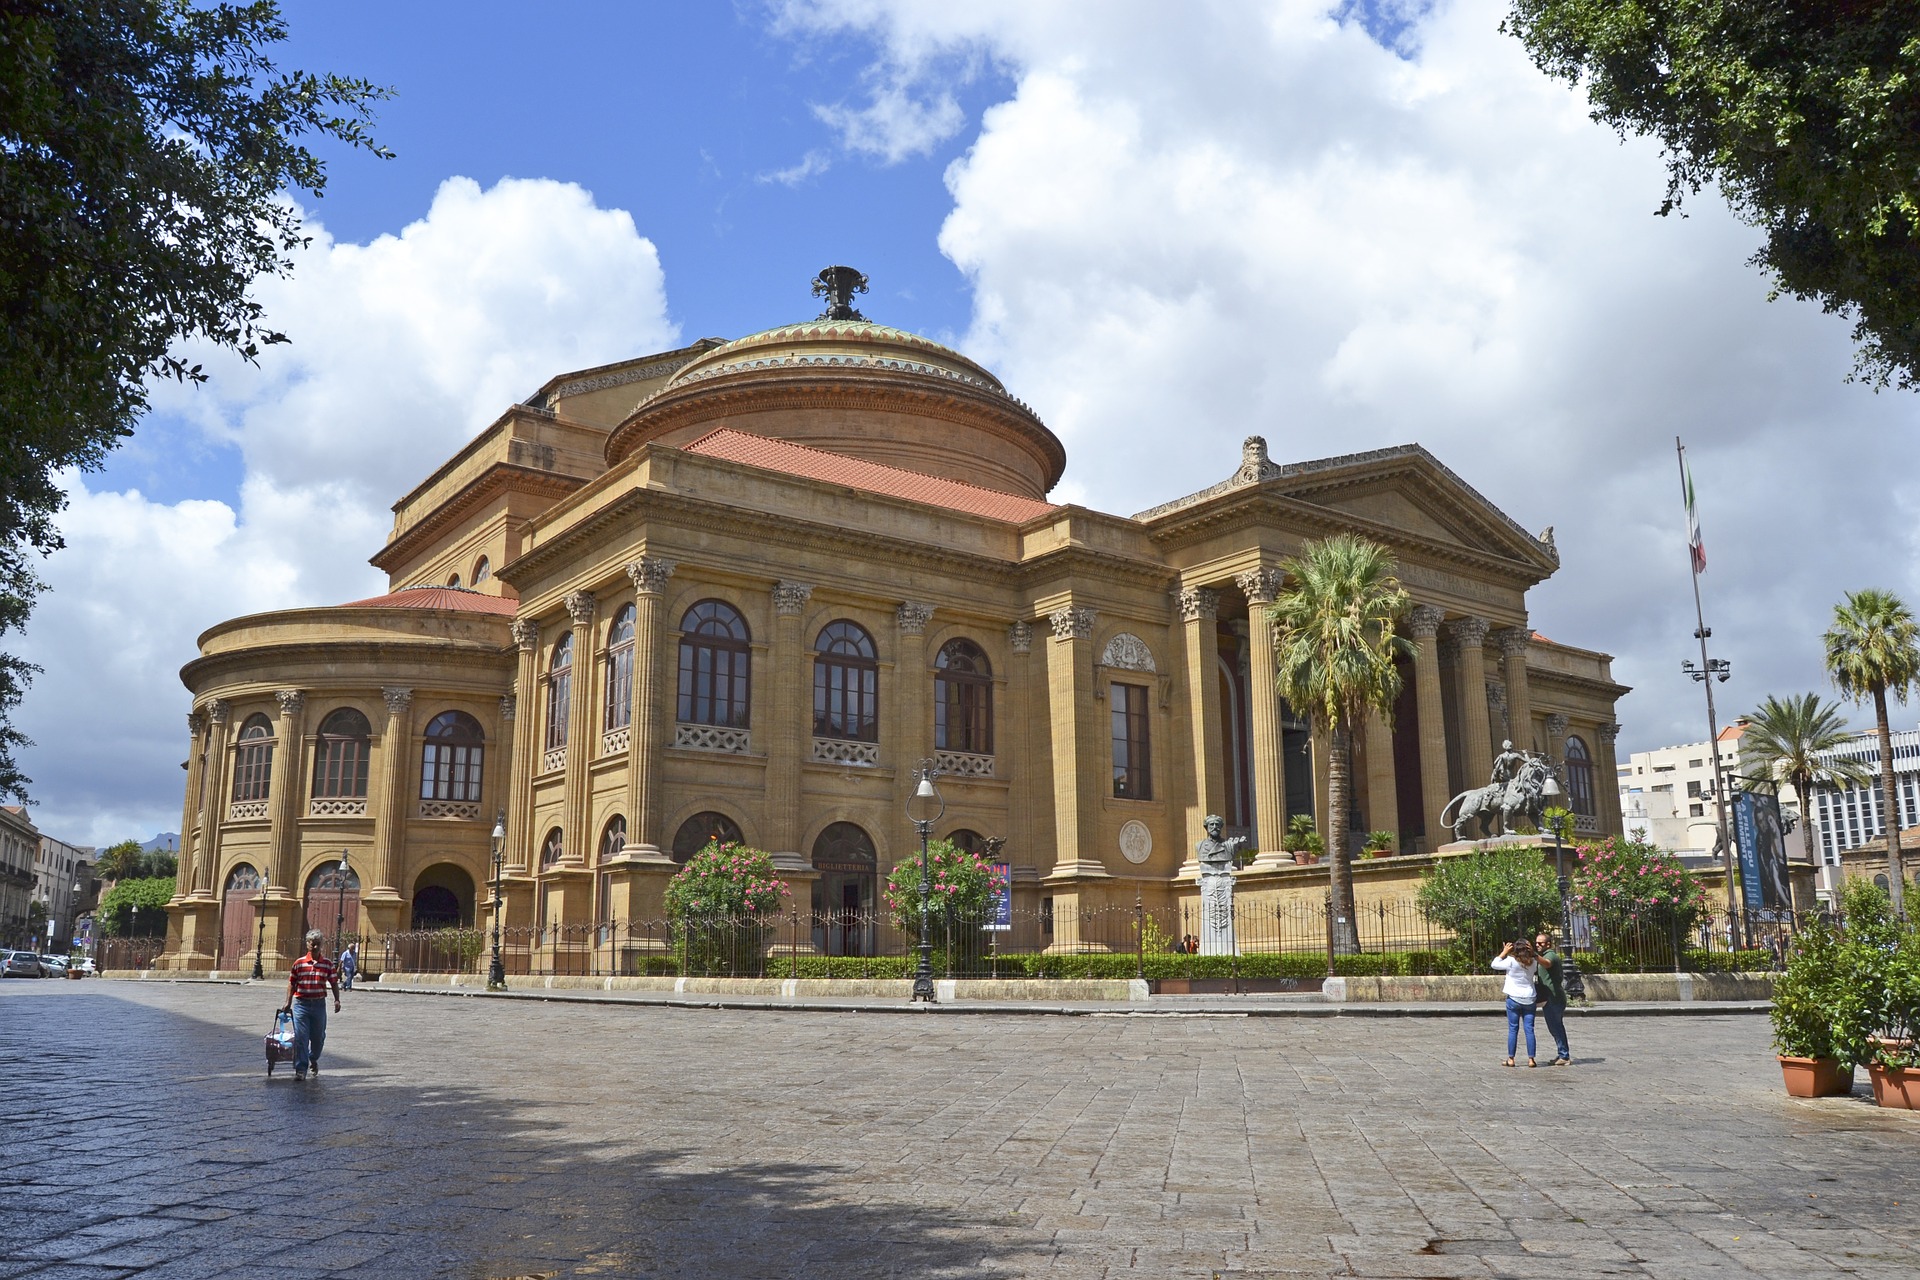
{"points": [[260, 909], [340, 903], [496, 971], [1576, 985], [924, 808]]}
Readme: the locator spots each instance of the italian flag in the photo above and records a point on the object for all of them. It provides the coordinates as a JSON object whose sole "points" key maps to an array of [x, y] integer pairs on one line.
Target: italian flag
{"points": [[1696, 548]]}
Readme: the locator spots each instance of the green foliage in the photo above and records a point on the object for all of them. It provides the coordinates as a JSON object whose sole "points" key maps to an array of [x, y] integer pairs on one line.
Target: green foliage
{"points": [[1381, 842], [1153, 939], [1490, 897], [1554, 818], [1811, 1000], [151, 894], [1872, 650], [149, 149], [123, 861], [1878, 976], [726, 879], [1789, 740], [962, 888], [1626, 886], [1301, 836], [1803, 116]]}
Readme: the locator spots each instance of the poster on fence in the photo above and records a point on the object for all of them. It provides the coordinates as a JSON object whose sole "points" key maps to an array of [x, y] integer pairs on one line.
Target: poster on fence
{"points": [[1000, 885], [1761, 838]]}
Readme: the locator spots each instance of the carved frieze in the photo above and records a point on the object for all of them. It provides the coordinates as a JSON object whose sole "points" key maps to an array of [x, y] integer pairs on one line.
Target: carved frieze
{"points": [[1127, 652], [1020, 636], [508, 705], [1556, 725]]}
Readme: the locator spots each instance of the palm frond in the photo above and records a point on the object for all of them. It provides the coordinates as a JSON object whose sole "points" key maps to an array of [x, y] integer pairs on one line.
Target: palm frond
{"points": [[1873, 645]]}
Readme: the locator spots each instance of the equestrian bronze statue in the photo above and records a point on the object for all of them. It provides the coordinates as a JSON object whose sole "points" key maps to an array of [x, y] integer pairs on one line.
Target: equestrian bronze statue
{"points": [[1513, 796]]}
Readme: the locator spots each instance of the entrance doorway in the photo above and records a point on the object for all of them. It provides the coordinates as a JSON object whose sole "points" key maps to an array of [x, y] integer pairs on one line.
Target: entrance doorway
{"points": [[333, 905], [239, 917], [843, 896]]}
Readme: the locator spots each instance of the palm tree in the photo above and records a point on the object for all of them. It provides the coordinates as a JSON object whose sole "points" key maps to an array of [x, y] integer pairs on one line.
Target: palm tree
{"points": [[1334, 651], [1786, 739], [1873, 649]]}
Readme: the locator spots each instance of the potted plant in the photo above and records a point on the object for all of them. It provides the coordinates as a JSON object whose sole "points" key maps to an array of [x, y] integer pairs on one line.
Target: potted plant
{"points": [[1301, 840], [1878, 979], [1808, 1002], [1379, 844]]}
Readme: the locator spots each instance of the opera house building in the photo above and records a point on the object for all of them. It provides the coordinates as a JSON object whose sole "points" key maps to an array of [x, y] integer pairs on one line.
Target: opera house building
{"points": [[743, 589]]}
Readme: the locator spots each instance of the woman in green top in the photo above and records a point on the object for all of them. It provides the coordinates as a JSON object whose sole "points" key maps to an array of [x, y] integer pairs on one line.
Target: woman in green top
{"points": [[1553, 996]]}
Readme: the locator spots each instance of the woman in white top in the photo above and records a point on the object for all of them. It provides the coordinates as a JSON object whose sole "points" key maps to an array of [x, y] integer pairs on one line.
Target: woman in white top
{"points": [[1518, 962]]}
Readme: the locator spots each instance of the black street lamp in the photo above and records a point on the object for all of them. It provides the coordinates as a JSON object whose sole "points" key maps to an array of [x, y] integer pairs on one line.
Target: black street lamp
{"points": [[340, 903], [496, 971], [1576, 985], [924, 808], [260, 909]]}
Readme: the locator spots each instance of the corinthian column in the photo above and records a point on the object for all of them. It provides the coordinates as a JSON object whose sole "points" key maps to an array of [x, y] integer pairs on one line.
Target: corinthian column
{"points": [[1424, 622], [581, 731], [1476, 745], [213, 797], [1606, 787], [1513, 652], [1077, 744], [912, 698], [397, 803], [284, 832], [1269, 742], [187, 881], [786, 729], [648, 734], [526, 691], [1206, 782]]}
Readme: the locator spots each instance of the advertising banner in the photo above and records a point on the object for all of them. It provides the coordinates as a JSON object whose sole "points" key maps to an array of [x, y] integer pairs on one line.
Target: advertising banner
{"points": [[1760, 835], [1000, 912]]}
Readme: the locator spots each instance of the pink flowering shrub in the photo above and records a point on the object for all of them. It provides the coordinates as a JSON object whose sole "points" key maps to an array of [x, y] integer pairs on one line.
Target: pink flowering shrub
{"points": [[962, 886], [727, 879], [1639, 897]]}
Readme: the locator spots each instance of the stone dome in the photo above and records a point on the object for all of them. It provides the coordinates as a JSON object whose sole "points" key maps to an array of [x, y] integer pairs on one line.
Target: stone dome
{"points": [[858, 389]]}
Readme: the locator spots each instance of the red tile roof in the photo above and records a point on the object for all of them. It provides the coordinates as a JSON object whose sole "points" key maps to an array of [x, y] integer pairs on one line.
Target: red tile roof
{"points": [[874, 477], [439, 598]]}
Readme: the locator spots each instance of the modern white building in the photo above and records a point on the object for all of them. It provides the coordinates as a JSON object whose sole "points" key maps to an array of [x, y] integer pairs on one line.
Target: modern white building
{"points": [[1667, 795], [1848, 817]]}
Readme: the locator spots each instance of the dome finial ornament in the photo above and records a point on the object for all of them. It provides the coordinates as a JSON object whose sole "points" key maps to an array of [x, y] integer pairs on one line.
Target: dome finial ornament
{"points": [[838, 285]]}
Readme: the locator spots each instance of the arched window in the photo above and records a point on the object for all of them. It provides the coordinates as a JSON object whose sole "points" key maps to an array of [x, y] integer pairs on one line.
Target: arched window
{"points": [[967, 841], [451, 759], [340, 756], [1579, 778], [702, 829], [843, 846], [963, 699], [454, 581], [552, 847], [253, 769], [613, 838], [846, 684], [482, 570], [559, 691], [714, 684], [1881, 883], [619, 711]]}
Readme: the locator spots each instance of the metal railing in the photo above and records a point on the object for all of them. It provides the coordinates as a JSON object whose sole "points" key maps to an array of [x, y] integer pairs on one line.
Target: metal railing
{"points": [[1288, 941], [127, 953]]}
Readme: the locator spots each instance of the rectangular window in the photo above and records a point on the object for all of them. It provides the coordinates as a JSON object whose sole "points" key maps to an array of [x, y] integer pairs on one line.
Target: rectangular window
{"points": [[559, 699], [1693, 789], [1695, 764], [1696, 811], [1132, 750], [619, 711]]}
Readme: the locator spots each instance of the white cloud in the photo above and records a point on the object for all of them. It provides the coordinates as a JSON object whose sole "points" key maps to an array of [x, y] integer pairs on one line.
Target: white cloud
{"points": [[402, 349], [1187, 226], [894, 124], [811, 165]]}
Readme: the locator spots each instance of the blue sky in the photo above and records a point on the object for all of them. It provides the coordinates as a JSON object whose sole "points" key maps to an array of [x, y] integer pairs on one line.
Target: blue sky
{"points": [[1339, 224]]}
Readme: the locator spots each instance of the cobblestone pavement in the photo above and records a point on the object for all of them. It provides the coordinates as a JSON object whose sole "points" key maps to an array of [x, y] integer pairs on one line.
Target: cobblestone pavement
{"points": [[470, 1138]]}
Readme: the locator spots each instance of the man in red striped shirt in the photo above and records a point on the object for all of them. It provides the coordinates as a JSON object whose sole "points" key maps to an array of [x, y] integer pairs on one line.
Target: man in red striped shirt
{"points": [[309, 980]]}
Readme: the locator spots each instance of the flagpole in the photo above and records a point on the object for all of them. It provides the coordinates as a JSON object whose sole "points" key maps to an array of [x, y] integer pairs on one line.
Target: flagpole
{"points": [[1701, 632]]}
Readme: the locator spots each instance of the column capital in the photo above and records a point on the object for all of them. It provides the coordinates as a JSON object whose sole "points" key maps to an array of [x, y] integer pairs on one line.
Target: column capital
{"points": [[218, 709], [580, 604], [913, 617], [1497, 694], [1556, 724], [1020, 637], [1514, 641], [789, 598], [196, 721], [526, 634], [1196, 603], [1260, 585], [1072, 623], [1609, 732], [398, 700], [508, 704], [290, 700], [1468, 632], [1424, 620], [649, 574]]}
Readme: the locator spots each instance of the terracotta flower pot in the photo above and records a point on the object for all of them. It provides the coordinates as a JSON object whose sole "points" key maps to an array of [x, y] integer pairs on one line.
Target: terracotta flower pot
{"points": [[1302, 857], [1897, 1088], [1816, 1077]]}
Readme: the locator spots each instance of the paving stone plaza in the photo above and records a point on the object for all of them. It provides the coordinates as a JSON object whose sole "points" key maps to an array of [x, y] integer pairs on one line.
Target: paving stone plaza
{"points": [[451, 1136]]}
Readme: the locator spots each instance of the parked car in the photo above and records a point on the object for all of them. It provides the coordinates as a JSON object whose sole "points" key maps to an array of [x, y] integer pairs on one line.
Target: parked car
{"points": [[20, 964], [55, 966], [82, 964]]}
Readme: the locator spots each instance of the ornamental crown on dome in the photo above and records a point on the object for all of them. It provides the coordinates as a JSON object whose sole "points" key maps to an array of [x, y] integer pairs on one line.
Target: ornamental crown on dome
{"points": [[838, 285]]}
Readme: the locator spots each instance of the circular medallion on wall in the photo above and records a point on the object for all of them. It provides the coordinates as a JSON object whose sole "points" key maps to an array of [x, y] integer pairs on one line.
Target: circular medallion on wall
{"points": [[1136, 842]]}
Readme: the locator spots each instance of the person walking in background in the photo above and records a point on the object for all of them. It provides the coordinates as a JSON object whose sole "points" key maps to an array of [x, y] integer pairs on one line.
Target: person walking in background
{"points": [[1552, 981], [311, 977], [349, 965], [1518, 962]]}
